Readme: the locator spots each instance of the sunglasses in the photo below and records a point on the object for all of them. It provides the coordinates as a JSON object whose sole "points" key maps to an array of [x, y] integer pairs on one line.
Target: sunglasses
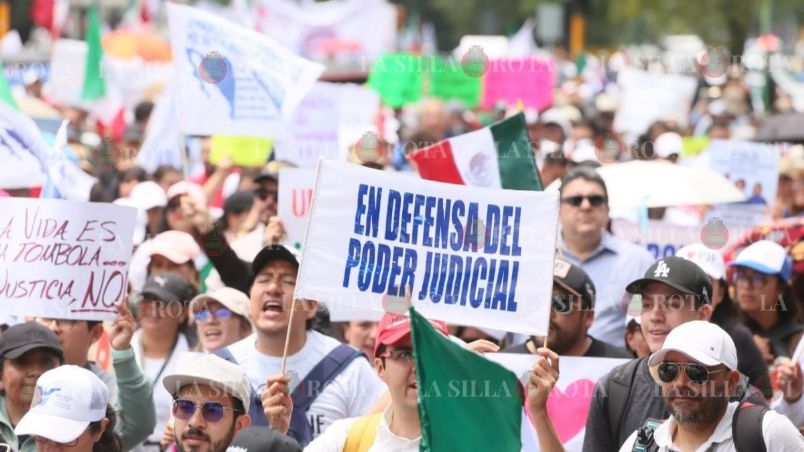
{"points": [[211, 411], [205, 315], [758, 280], [697, 373], [576, 201]]}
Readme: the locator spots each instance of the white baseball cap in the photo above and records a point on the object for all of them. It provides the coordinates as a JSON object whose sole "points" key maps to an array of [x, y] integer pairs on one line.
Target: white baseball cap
{"points": [[233, 299], [66, 400], [702, 341], [710, 261], [185, 187], [148, 194], [766, 257], [214, 371], [141, 222], [667, 144]]}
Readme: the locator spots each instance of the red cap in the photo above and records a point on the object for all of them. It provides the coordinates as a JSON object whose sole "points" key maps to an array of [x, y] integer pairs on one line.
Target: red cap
{"points": [[394, 327]]}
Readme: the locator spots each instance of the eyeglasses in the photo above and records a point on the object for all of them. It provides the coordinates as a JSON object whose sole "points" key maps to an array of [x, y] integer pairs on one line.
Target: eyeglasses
{"points": [[757, 280], [576, 201], [42, 441], [403, 355], [697, 373], [206, 315], [211, 411]]}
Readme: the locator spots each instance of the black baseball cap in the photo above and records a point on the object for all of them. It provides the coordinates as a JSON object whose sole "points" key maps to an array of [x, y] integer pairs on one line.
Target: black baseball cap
{"points": [[575, 281], [681, 274], [169, 286], [22, 338], [272, 253]]}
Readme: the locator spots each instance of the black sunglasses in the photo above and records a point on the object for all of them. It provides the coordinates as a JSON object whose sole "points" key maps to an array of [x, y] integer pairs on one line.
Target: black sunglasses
{"points": [[697, 373], [211, 411], [264, 194], [575, 201]]}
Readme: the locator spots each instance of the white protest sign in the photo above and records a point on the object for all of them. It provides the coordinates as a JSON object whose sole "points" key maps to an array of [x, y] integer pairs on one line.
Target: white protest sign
{"points": [[63, 259], [648, 97], [340, 31], [67, 67], [295, 199], [328, 121], [23, 151], [569, 403], [231, 80], [754, 169], [663, 240], [471, 256]]}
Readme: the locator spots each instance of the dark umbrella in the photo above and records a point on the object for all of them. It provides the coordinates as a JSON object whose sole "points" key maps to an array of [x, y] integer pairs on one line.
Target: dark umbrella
{"points": [[787, 127]]}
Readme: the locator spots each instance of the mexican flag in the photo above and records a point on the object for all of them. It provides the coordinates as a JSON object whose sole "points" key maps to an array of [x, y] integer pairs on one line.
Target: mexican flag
{"points": [[466, 402], [498, 156]]}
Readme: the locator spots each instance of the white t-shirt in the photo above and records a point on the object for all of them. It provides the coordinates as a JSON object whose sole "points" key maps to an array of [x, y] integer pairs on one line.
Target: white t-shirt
{"points": [[779, 433], [350, 394], [163, 401], [334, 438]]}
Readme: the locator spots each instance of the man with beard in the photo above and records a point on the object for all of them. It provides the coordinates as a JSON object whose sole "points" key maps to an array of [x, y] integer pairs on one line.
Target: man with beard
{"points": [[26, 352], [696, 370], [570, 318], [210, 403]]}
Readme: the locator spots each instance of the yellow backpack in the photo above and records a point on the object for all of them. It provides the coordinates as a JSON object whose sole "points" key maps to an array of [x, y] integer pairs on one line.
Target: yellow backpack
{"points": [[362, 433]]}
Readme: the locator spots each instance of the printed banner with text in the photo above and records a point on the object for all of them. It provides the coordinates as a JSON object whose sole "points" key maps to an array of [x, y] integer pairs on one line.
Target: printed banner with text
{"points": [[471, 256], [231, 80], [64, 259]]}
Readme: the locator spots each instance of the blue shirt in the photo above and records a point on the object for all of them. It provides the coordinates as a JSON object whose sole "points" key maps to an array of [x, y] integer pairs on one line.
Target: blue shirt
{"points": [[612, 265]]}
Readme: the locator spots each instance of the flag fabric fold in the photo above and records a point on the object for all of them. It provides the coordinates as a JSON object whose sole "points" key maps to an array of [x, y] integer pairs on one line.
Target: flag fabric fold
{"points": [[94, 85], [498, 156], [463, 397]]}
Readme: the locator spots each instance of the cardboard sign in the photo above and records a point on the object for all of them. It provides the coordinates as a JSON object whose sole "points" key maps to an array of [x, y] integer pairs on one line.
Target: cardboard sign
{"points": [[244, 151], [471, 256], [295, 201], [397, 78], [232, 80], [64, 259], [568, 404], [528, 79]]}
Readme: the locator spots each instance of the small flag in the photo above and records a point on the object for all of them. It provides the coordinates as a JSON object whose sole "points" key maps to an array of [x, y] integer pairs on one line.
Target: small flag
{"points": [[498, 156], [466, 402], [94, 85]]}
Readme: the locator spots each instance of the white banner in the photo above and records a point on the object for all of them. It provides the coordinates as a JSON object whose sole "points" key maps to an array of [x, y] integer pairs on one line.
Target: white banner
{"points": [[231, 80], [648, 97], [295, 199], [323, 125], [471, 256], [568, 404], [63, 259], [23, 152], [351, 31]]}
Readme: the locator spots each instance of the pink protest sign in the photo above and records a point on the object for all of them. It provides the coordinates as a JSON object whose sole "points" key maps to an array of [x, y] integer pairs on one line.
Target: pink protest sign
{"points": [[529, 79]]}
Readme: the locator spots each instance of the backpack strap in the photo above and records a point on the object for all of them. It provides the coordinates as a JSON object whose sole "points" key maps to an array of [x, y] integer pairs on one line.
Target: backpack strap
{"points": [[618, 390], [305, 393], [255, 407], [362, 433], [746, 427]]}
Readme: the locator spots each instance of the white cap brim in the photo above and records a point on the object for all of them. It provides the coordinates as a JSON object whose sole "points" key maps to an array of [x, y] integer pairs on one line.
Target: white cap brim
{"points": [[54, 428], [656, 358]]}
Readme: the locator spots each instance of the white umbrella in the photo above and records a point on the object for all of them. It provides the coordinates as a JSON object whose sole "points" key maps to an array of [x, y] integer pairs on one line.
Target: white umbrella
{"points": [[657, 183]]}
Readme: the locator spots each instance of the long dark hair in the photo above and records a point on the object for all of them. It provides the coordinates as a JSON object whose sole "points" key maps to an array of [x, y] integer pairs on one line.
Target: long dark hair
{"points": [[109, 441]]}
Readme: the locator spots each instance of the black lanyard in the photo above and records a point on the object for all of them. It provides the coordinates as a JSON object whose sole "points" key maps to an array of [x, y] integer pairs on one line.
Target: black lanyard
{"points": [[164, 364]]}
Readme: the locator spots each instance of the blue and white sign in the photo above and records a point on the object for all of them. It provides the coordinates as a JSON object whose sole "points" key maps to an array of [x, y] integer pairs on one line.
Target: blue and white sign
{"points": [[471, 256], [232, 80]]}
